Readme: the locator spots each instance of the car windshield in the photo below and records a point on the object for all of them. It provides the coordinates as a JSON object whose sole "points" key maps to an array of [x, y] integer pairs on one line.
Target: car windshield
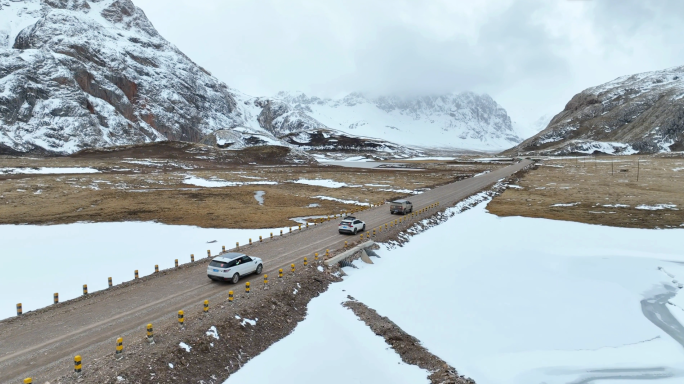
{"points": [[218, 264]]}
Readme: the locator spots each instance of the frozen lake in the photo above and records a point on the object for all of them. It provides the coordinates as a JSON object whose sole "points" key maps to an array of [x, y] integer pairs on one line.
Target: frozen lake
{"points": [[39, 260], [505, 300]]}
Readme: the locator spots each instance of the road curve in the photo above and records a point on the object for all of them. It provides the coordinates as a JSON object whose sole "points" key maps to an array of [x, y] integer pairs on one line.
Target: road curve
{"points": [[41, 339]]}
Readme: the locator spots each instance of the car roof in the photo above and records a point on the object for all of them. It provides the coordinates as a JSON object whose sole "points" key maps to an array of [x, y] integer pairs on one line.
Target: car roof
{"points": [[400, 201], [228, 256], [349, 218]]}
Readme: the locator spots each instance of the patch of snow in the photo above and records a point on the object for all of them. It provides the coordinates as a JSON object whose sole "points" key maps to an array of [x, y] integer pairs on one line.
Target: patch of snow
{"points": [[259, 196], [306, 219], [248, 321], [482, 173], [170, 365], [320, 269], [213, 332], [341, 200], [566, 205], [313, 205], [322, 183], [657, 207], [430, 158], [47, 170], [185, 346], [218, 183]]}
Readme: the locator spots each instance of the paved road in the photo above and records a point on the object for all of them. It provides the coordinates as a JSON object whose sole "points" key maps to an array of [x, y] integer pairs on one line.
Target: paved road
{"points": [[30, 345]]}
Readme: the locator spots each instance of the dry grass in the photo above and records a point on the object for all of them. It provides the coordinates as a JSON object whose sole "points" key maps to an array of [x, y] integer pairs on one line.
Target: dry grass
{"points": [[606, 189], [127, 190]]}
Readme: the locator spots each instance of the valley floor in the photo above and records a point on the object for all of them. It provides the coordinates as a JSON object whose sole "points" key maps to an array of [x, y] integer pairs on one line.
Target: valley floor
{"points": [[602, 190], [209, 194]]}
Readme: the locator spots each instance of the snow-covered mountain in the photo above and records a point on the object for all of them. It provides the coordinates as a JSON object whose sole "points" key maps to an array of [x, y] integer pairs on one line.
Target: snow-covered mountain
{"points": [[642, 113], [80, 74], [464, 120], [77, 73]]}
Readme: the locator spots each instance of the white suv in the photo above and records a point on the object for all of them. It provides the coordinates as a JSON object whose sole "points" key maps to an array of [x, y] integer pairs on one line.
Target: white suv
{"points": [[231, 266], [351, 224]]}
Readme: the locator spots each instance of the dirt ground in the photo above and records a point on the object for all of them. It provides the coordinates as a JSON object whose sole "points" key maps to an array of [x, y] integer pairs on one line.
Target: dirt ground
{"points": [[601, 190], [159, 183]]}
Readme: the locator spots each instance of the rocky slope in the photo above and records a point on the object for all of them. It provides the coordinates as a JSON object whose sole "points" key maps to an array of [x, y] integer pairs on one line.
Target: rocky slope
{"points": [[78, 74], [464, 120], [642, 113]]}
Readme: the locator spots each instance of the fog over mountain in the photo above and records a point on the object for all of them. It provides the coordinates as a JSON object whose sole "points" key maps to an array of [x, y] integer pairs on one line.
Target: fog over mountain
{"points": [[531, 56], [78, 74]]}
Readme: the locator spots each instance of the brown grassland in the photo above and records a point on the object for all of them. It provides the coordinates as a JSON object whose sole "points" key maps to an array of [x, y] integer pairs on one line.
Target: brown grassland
{"points": [[153, 187], [601, 190]]}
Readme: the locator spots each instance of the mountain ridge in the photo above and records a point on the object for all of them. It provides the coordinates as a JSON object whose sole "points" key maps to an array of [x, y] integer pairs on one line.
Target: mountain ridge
{"points": [[470, 120], [639, 113], [78, 74]]}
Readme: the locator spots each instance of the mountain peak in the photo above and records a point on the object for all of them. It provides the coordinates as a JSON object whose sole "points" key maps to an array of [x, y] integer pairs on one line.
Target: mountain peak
{"points": [[84, 74], [458, 120]]}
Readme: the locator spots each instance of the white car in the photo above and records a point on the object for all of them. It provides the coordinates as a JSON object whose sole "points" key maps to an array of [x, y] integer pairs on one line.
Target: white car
{"points": [[351, 224], [231, 266]]}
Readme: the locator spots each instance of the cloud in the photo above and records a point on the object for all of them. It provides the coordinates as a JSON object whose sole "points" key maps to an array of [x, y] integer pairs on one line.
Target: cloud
{"points": [[532, 56]]}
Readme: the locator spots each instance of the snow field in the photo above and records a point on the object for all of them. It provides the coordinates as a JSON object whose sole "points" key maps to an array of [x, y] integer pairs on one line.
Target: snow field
{"points": [[46, 259], [336, 348], [505, 300]]}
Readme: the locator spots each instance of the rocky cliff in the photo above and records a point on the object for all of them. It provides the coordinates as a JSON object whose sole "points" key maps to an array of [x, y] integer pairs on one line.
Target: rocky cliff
{"points": [[642, 113]]}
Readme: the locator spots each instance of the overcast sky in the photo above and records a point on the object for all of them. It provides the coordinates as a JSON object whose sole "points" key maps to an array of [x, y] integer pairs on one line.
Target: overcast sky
{"points": [[531, 56]]}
